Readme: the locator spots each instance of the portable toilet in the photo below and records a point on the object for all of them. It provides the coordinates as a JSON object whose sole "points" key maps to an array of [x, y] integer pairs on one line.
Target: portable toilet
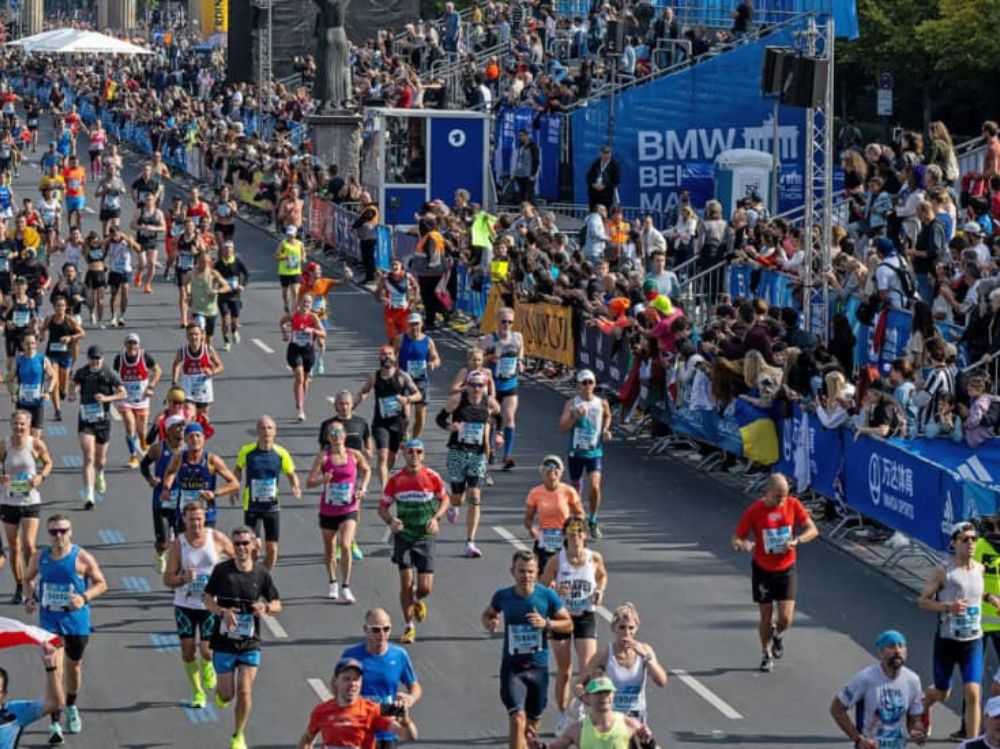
{"points": [[740, 173]]}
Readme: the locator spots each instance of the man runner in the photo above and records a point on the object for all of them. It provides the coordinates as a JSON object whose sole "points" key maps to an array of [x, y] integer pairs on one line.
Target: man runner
{"points": [[418, 357], [140, 374], [195, 470], [587, 418], [165, 509]]}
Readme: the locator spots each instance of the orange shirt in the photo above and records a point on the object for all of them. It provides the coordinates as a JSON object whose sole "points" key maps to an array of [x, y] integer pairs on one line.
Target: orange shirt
{"points": [[554, 507], [354, 725], [75, 180]]}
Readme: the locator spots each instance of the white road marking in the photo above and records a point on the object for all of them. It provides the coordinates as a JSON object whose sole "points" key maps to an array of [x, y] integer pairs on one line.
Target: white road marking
{"points": [[693, 684], [262, 346], [88, 209], [274, 627], [320, 689], [387, 535], [706, 694]]}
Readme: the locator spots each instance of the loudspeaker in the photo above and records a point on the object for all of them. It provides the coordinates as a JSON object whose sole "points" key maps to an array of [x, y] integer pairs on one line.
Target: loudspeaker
{"points": [[239, 55], [806, 83], [614, 41], [771, 71]]}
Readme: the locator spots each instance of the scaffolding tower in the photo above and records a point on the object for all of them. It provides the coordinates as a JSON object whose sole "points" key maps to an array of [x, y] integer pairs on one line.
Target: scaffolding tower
{"points": [[265, 69]]}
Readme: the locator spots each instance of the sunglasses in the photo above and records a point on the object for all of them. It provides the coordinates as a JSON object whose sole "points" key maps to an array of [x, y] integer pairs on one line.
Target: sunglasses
{"points": [[58, 531], [95, 358], [575, 529], [336, 433], [476, 385], [550, 466], [506, 322], [238, 544], [378, 630], [967, 539], [414, 451]]}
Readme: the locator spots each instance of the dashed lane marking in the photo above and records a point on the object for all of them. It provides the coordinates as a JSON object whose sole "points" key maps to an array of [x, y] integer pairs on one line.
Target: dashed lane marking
{"points": [[320, 689], [262, 346]]}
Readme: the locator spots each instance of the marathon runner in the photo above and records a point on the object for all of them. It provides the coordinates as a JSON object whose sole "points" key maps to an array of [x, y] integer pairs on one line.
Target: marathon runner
{"points": [[238, 593], [413, 489], [418, 357], [186, 246], [75, 178], [146, 185], [165, 509], [772, 522], [466, 416], [200, 212], [587, 418], [226, 210], [96, 278], [175, 229], [26, 464], [61, 582], [21, 319], [237, 276], [580, 578], [140, 374], [264, 462], [389, 675], [554, 502], [31, 381], [196, 471], [8, 253], [627, 662], [290, 255], [19, 714], [194, 368], [398, 291], [475, 361], [505, 355], [147, 222], [336, 468], [206, 284], [885, 698], [98, 387], [63, 334], [50, 211], [110, 191], [349, 720], [120, 247], [394, 391], [192, 557], [98, 141], [956, 592], [304, 331], [602, 727], [531, 614]]}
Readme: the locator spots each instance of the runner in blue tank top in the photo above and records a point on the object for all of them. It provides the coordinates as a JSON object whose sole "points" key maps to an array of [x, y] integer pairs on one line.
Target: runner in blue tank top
{"points": [[165, 504], [195, 470], [418, 357]]}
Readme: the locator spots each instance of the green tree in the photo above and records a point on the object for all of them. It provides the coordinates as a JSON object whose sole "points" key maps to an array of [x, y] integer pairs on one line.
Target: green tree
{"points": [[962, 40]]}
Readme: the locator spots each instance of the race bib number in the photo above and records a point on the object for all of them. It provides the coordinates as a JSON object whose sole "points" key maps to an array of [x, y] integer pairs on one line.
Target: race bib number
{"points": [[576, 595], [965, 626], [185, 261], [627, 699], [168, 500], [199, 386], [121, 264], [318, 304], [135, 390], [302, 338], [340, 494], [264, 490], [22, 317], [552, 539], [397, 299], [507, 367], [292, 261], [176, 230], [29, 393], [197, 586], [390, 406], [190, 495], [112, 201], [523, 639], [584, 437], [776, 539], [20, 485], [417, 369], [223, 210], [95, 255], [4, 264], [890, 737], [472, 433], [243, 628], [234, 282], [58, 347], [56, 595], [92, 412]]}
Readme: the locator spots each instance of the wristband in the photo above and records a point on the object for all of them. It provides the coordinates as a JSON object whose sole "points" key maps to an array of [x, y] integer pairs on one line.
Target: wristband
{"points": [[49, 669]]}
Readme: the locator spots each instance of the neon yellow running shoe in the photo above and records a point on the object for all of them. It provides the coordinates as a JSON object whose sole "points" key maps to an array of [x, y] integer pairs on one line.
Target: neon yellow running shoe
{"points": [[208, 675]]}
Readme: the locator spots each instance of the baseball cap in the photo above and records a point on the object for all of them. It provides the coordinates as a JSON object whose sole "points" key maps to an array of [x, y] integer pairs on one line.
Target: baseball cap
{"points": [[885, 246], [193, 428], [992, 709], [888, 638], [345, 663], [95, 352], [585, 375], [649, 285], [291, 231], [176, 395], [132, 338], [413, 445], [550, 461], [173, 421], [962, 527], [603, 684], [414, 317], [972, 228], [475, 376]]}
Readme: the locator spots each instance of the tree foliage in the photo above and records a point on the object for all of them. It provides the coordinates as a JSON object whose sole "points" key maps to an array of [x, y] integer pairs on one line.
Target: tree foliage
{"points": [[962, 40]]}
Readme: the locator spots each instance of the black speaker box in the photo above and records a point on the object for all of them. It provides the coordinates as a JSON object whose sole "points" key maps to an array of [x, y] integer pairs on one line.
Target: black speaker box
{"points": [[771, 72], [806, 83], [615, 39]]}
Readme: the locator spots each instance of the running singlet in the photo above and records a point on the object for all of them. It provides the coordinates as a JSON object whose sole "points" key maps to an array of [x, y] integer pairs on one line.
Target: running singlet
{"points": [[135, 377], [585, 438], [302, 334], [75, 179], [202, 560], [193, 479], [414, 355], [505, 367], [338, 496], [59, 581], [30, 378], [14, 717], [263, 469], [576, 585], [196, 375]]}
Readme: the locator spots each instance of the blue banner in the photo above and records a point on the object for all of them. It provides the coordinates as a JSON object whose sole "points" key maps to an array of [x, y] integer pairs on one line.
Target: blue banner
{"points": [[668, 132], [546, 131], [822, 447]]}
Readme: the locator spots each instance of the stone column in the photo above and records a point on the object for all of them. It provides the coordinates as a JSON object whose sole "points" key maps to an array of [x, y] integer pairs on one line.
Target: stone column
{"points": [[336, 137], [31, 17], [128, 11], [103, 15]]}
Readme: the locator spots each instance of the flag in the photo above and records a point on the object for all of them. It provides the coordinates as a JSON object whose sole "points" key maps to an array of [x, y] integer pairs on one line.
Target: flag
{"points": [[758, 432], [801, 457], [14, 634]]}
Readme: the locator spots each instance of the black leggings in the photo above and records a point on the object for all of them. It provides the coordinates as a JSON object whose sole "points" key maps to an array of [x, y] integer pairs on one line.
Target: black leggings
{"points": [[432, 307]]}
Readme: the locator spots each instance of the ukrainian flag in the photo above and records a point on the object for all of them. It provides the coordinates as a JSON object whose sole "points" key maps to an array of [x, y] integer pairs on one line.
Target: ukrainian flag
{"points": [[758, 431]]}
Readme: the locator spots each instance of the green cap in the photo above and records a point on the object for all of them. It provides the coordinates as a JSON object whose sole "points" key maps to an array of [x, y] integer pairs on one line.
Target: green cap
{"points": [[649, 285], [602, 684]]}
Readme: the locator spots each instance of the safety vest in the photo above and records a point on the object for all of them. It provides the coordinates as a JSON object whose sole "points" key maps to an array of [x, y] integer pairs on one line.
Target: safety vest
{"points": [[989, 557]]}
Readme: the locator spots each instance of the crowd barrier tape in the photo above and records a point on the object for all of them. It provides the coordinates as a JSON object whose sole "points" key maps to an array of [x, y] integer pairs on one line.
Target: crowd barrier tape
{"points": [[547, 329]]}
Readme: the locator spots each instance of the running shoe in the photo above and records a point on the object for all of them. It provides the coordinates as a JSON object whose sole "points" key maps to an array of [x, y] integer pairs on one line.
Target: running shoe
{"points": [[137, 279], [208, 678], [89, 504], [114, 321], [561, 722], [238, 741], [347, 596], [161, 561], [302, 415], [227, 346], [148, 289], [198, 700], [452, 514], [767, 663], [420, 610], [595, 529], [237, 337], [18, 598], [356, 554], [101, 484], [320, 367], [56, 735], [472, 551], [58, 414], [333, 591], [489, 479], [777, 645], [73, 722], [409, 635], [508, 464], [133, 461], [221, 703]]}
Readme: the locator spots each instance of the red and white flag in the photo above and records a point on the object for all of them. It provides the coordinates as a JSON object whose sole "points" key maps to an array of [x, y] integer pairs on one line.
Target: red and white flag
{"points": [[14, 634]]}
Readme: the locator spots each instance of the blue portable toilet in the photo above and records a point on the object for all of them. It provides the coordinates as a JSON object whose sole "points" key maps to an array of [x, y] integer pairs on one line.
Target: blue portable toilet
{"points": [[739, 173]]}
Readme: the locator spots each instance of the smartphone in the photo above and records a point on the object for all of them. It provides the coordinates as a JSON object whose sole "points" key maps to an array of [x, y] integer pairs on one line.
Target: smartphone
{"points": [[392, 710]]}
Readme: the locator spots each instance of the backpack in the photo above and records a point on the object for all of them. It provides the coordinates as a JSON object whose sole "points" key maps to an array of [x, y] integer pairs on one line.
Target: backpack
{"points": [[907, 280]]}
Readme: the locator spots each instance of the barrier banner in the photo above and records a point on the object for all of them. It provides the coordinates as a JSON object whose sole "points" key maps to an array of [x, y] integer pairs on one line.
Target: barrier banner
{"points": [[467, 299], [547, 329], [383, 247], [739, 282], [824, 448]]}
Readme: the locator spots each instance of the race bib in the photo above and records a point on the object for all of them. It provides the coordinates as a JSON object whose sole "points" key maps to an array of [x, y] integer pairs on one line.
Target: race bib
{"points": [[93, 412], [121, 264], [112, 201], [185, 261], [95, 255], [222, 210], [302, 338], [29, 393], [890, 737], [552, 539], [234, 282], [417, 369], [264, 490], [243, 628], [168, 500], [626, 699], [397, 299], [21, 317], [58, 347], [190, 495], [507, 367], [197, 586], [584, 437], [56, 595], [964, 626], [4, 264], [390, 406], [576, 595], [472, 433], [340, 494], [523, 639], [292, 262], [318, 304], [176, 230], [20, 485], [135, 390], [199, 385], [776, 539]]}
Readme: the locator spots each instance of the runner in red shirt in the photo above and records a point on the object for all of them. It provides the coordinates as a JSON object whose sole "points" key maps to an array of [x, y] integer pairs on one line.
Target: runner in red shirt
{"points": [[349, 719], [772, 521]]}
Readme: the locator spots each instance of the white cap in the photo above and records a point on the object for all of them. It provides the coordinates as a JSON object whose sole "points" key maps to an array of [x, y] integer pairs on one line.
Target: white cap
{"points": [[174, 421], [962, 527], [585, 374], [973, 227]]}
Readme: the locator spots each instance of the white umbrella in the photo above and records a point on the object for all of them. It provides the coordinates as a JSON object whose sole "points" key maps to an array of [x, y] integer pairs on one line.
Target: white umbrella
{"points": [[79, 42], [27, 41]]}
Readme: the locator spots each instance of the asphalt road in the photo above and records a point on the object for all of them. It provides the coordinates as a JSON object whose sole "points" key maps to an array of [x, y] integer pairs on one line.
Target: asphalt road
{"points": [[666, 546]]}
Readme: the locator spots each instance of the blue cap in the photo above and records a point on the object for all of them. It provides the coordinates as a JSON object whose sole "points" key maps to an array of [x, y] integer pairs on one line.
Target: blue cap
{"points": [[415, 444], [885, 246], [888, 638], [193, 428], [346, 663]]}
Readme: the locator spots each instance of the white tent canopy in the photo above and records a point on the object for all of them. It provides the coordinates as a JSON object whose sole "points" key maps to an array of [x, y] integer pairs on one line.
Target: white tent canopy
{"points": [[77, 42]]}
